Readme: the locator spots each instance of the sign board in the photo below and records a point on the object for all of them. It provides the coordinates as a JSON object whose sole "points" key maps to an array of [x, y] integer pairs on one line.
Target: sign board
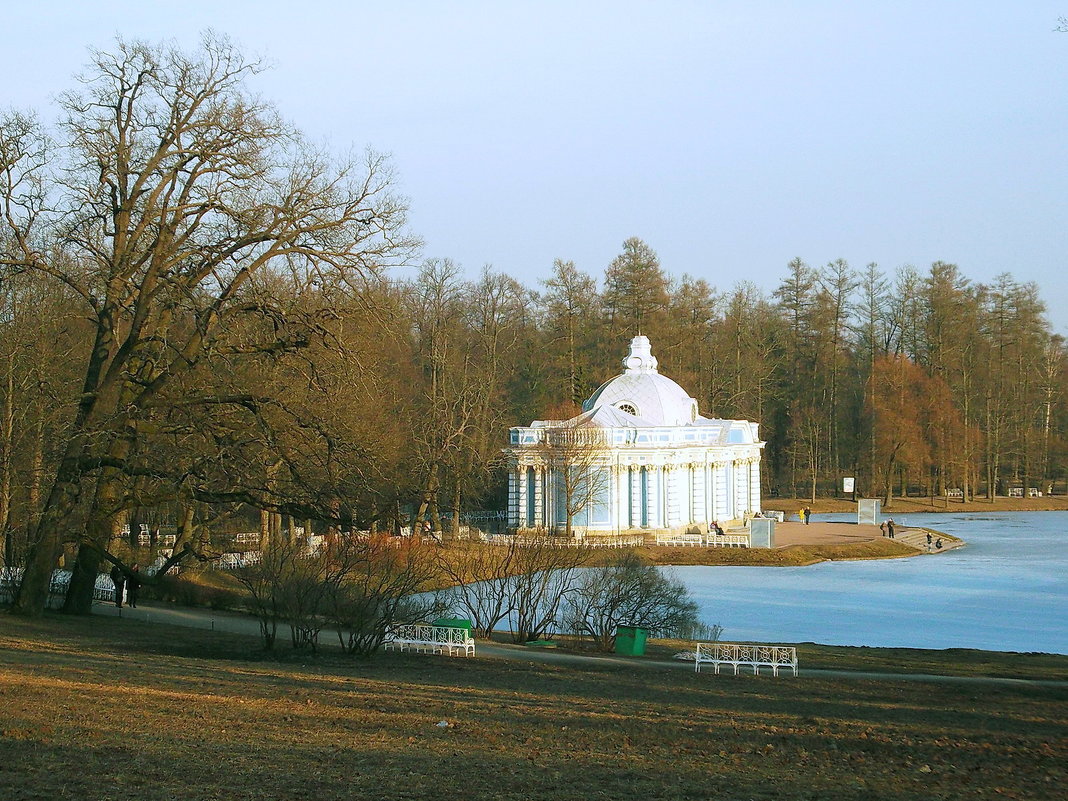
{"points": [[848, 484], [868, 510]]}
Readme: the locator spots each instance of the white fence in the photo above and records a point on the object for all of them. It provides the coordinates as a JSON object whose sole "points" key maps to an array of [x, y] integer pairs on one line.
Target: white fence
{"points": [[681, 540], [746, 655], [429, 639], [11, 577], [232, 561], [591, 541], [703, 540]]}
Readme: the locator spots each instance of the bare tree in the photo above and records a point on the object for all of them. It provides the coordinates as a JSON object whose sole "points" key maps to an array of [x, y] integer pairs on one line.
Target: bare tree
{"points": [[169, 191], [579, 469]]}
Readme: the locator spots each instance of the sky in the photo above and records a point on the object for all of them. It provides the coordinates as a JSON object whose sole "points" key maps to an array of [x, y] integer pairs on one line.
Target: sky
{"points": [[730, 136]]}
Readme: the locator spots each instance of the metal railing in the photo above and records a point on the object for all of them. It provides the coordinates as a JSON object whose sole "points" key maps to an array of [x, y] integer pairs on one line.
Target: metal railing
{"points": [[434, 639], [751, 655]]}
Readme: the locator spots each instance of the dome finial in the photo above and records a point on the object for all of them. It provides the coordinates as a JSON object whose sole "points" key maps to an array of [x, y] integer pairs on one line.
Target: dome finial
{"points": [[641, 358]]}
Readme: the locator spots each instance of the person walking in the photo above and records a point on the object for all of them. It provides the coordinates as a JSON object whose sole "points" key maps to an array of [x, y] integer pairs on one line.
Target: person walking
{"points": [[890, 527], [118, 578], [133, 585], [808, 515]]}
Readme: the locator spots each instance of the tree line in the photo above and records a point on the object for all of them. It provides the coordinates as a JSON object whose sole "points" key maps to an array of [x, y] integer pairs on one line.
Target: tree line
{"points": [[199, 322]]}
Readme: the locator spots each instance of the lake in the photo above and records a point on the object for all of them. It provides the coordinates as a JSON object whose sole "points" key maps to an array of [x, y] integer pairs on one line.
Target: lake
{"points": [[1006, 591]]}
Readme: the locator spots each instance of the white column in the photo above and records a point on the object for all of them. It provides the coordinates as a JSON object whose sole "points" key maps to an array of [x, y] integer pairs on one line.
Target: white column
{"points": [[513, 498], [662, 476], [539, 496], [721, 481], [652, 486], [742, 471], [678, 508], [754, 484], [733, 498], [706, 482], [549, 497], [662, 497], [619, 498], [635, 478], [671, 496], [689, 499]]}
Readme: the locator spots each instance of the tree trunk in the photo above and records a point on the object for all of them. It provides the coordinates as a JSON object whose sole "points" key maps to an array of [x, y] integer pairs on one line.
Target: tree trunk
{"points": [[101, 527], [47, 543], [456, 511], [7, 441], [265, 529], [185, 525]]}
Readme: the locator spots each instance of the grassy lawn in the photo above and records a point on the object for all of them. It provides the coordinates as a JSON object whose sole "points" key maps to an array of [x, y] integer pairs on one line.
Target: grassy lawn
{"points": [[103, 707]]}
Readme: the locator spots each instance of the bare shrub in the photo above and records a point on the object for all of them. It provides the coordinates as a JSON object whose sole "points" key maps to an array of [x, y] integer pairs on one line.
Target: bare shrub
{"points": [[263, 580], [375, 585], [545, 572], [481, 574], [629, 592]]}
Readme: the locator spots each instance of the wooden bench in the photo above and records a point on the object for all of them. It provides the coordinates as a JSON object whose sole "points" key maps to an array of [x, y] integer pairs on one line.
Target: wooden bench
{"points": [[429, 639], [746, 655]]}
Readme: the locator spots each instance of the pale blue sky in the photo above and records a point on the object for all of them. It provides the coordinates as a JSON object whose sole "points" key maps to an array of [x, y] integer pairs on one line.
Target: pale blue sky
{"points": [[730, 136]]}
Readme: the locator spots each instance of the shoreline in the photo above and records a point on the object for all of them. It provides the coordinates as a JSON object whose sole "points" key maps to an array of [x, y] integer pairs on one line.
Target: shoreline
{"points": [[800, 545], [920, 505]]}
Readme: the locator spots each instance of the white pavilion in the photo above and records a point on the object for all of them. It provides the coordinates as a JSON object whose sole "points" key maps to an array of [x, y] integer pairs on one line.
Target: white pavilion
{"points": [[656, 465]]}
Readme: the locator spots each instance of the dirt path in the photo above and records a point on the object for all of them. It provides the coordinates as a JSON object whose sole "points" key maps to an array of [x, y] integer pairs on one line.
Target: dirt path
{"points": [[243, 624]]}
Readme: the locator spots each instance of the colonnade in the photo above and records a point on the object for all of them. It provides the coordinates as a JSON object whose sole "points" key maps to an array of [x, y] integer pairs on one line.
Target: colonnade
{"points": [[643, 495]]}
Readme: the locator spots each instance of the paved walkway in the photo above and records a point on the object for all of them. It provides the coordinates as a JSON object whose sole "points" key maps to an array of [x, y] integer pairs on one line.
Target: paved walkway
{"points": [[244, 624], [825, 533]]}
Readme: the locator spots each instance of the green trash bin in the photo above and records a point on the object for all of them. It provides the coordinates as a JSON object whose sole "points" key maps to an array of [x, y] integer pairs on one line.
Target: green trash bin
{"points": [[630, 640], [455, 623]]}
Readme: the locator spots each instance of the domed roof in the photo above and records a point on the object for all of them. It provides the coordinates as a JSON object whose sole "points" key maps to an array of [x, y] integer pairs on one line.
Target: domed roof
{"points": [[643, 393]]}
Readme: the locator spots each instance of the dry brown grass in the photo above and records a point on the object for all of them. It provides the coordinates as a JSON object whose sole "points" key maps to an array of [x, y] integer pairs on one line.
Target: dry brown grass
{"points": [[105, 708], [792, 556]]}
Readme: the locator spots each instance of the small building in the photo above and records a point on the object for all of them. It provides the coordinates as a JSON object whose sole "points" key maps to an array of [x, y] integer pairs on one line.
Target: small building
{"points": [[639, 458]]}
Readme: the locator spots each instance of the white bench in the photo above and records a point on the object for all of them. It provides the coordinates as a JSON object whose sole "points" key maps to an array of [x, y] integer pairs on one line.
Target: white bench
{"points": [[746, 655], [429, 639], [728, 540]]}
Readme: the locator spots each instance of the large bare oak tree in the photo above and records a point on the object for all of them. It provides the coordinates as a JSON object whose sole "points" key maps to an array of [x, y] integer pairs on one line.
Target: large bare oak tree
{"points": [[163, 193]]}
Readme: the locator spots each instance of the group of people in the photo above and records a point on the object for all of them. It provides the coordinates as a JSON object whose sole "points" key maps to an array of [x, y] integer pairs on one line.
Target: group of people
{"points": [[131, 582], [805, 515], [937, 544], [887, 527]]}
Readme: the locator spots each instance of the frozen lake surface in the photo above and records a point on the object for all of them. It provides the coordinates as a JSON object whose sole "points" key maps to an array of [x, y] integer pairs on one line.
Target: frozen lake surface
{"points": [[1006, 591]]}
